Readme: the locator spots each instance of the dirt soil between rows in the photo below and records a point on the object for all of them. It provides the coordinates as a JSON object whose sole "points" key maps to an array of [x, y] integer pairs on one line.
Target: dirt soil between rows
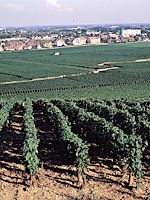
{"points": [[60, 183]]}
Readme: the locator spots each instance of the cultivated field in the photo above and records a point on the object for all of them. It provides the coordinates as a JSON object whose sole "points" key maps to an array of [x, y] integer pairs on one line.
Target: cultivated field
{"points": [[74, 74], [64, 142], [74, 150]]}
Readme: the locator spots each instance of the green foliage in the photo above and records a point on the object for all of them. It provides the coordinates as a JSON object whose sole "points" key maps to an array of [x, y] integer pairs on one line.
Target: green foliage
{"points": [[131, 132], [30, 146], [131, 80], [6, 107], [134, 153], [119, 135], [119, 128], [65, 133]]}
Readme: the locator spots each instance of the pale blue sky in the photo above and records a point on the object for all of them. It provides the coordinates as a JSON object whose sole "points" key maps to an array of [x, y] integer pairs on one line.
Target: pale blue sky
{"points": [[60, 12]]}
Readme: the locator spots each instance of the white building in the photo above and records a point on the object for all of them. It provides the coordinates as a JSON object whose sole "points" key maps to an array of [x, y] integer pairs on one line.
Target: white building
{"points": [[130, 32], [79, 41], [59, 43], [57, 53], [48, 45], [94, 40], [27, 47], [113, 35], [39, 46], [1, 49]]}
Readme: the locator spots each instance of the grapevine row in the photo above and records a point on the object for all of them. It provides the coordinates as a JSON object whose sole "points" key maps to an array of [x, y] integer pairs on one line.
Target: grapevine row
{"points": [[65, 134], [31, 142], [10, 93], [129, 147]]}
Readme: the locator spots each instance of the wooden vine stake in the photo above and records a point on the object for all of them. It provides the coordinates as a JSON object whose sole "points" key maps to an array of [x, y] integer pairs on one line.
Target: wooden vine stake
{"points": [[85, 188], [32, 179], [80, 178], [131, 179], [124, 169]]}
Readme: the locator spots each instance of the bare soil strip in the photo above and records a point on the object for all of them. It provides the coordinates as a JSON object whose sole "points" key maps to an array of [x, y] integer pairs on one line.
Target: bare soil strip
{"points": [[102, 70], [41, 79], [79, 74], [129, 61]]}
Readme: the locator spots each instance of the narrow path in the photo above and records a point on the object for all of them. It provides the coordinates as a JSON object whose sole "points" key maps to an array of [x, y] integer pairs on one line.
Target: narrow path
{"points": [[105, 69], [129, 61], [41, 79]]}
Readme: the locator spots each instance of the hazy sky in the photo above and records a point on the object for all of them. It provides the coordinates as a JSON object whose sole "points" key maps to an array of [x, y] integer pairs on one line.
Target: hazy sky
{"points": [[60, 12]]}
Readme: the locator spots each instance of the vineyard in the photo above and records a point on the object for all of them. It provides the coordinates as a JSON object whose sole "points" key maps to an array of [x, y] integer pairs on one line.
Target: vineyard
{"points": [[72, 72], [38, 135]]}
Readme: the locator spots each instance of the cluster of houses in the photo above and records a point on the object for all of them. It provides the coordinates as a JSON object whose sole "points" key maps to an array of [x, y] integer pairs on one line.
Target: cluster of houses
{"points": [[14, 45], [55, 40]]}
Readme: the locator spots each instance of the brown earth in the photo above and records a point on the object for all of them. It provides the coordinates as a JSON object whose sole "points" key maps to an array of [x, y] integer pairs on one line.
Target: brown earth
{"points": [[60, 183]]}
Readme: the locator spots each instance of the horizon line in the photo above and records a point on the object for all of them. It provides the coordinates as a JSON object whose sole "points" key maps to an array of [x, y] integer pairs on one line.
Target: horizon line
{"points": [[60, 25]]}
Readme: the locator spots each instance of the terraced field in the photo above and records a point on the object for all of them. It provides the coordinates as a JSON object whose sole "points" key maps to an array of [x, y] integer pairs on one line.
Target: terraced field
{"points": [[70, 75]]}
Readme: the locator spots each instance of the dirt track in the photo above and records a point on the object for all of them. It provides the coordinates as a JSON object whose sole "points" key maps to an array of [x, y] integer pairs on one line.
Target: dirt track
{"points": [[129, 61]]}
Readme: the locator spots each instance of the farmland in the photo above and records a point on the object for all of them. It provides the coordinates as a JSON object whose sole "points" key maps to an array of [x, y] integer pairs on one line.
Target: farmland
{"points": [[129, 80], [80, 144], [71, 130]]}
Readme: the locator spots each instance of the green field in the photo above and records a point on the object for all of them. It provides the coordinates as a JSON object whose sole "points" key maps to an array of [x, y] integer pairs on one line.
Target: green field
{"points": [[130, 80]]}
